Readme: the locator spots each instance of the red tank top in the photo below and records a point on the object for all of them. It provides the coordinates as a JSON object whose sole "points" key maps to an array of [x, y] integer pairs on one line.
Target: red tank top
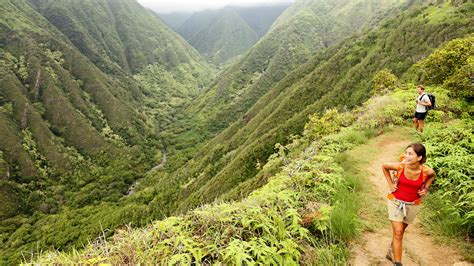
{"points": [[407, 190]]}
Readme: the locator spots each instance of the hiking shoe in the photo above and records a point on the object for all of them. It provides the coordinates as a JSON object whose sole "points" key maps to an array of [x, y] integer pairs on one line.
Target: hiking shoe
{"points": [[389, 255], [397, 264]]}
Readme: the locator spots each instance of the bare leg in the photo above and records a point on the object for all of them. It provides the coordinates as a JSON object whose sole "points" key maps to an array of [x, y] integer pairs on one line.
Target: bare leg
{"points": [[415, 123], [421, 125], [398, 229]]}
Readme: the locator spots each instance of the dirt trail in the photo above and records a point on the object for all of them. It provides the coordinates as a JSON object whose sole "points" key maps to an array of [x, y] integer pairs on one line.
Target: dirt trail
{"points": [[418, 248]]}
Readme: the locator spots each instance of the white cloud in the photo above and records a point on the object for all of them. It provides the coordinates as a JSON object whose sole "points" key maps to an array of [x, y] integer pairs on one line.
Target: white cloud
{"points": [[166, 6]]}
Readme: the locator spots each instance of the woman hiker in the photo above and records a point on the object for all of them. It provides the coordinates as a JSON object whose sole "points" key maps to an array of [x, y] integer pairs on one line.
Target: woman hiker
{"points": [[412, 182]]}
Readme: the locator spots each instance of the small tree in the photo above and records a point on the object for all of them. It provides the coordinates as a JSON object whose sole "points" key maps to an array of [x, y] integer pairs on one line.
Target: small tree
{"points": [[451, 66], [384, 81]]}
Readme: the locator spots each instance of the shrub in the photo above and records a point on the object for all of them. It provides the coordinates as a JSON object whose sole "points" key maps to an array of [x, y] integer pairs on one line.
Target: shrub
{"points": [[451, 66], [384, 81]]}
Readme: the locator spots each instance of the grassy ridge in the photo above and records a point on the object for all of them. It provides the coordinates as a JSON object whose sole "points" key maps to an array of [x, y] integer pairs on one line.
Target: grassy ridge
{"points": [[75, 131], [220, 35], [118, 36], [310, 182], [270, 61], [341, 77], [51, 197]]}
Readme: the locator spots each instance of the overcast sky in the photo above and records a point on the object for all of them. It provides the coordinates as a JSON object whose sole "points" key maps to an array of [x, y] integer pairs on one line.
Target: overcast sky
{"points": [[166, 6]]}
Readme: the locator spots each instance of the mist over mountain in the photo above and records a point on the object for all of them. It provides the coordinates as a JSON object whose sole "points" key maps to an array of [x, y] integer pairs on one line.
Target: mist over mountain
{"points": [[221, 34], [260, 18], [174, 19]]}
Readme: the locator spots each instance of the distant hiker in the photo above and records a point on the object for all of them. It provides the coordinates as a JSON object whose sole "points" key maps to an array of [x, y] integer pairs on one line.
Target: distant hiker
{"points": [[422, 101], [412, 182]]}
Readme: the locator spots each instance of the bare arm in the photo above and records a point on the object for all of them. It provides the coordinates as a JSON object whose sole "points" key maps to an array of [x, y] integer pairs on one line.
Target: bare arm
{"points": [[386, 167], [429, 180]]}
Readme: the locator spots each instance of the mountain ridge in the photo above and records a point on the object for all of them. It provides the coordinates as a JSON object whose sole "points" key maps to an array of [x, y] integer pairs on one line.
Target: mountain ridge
{"points": [[222, 34], [317, 189], [76, 133], [112, 128], [285, 114]]}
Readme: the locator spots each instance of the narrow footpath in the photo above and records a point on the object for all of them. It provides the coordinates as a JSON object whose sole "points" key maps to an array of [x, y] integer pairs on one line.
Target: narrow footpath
{"points": [[371, 248]]}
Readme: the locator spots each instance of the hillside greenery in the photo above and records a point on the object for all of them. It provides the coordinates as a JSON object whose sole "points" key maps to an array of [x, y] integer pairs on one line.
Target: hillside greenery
{"points": [[218, 35], [221, 35], [225, 166], [303, 30], [117, 34], [84, 130], [308, 209], [75, 131]]}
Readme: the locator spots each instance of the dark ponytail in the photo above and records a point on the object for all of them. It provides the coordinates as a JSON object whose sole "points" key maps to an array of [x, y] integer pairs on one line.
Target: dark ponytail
{"points": [[420, 150]]}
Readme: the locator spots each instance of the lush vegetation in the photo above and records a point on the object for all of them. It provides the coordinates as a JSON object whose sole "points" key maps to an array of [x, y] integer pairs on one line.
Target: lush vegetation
{"points": [[450, 210], [307, 210], [117, 36], [304, 29], [225, 166], [81, 130], [288, 44], [220, 35], [265, 227], [75, 132]]}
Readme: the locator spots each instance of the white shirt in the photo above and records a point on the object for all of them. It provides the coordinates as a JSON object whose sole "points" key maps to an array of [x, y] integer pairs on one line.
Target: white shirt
{"points": [[425, 99]]}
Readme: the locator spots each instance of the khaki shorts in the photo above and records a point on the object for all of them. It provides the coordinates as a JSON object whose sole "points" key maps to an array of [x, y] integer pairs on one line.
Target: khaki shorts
{"points": [[412, 211]]}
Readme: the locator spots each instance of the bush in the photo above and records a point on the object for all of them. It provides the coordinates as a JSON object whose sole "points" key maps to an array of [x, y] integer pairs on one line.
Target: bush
{"points": [[451, 66], [450, 153], [384, 81]]}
